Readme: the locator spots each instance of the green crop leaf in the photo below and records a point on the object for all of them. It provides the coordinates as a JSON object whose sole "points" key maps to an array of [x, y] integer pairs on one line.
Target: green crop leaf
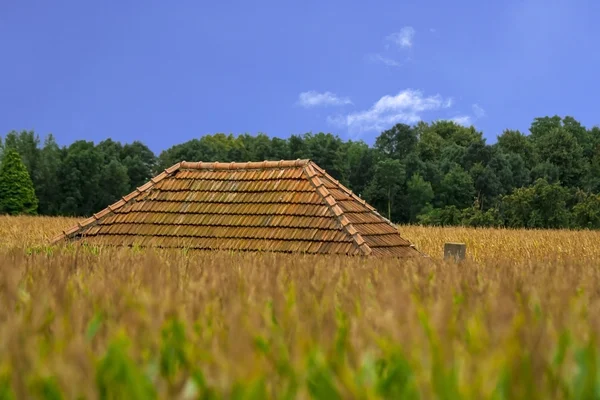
{"points": [[47, 389], [94, 326], [586, 384], [395, 377], [172, 354], [204, 391], [341, 339], [554, 370], [262, 345], [118, 377], [6, 391], [254, 390], [320, 380]]}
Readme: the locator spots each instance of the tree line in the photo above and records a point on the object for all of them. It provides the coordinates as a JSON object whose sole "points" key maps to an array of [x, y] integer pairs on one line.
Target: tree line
{"points": [[438, 173]]}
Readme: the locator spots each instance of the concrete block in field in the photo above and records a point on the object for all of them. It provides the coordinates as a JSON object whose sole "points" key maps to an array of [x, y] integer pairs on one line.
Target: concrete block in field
{"points": [[455, 251]]}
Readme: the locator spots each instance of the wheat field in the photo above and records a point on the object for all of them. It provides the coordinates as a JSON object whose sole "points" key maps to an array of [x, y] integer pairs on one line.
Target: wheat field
{"points": [[518, 319]]}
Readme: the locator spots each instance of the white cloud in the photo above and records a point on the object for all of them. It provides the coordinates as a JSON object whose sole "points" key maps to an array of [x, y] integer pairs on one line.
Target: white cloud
{"points": [[478, 111], [384, 60], [464, 120], [337, 120], [314, 99], [407, 106], [468, 120], [403, 38]]}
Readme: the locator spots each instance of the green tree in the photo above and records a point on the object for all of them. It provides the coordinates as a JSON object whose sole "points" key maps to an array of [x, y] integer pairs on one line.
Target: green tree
{"points": [[446, 216], [456, 189], [477, 152], [452, 132], [559, 147], [419, 195], [397, 142], [500, 164], [17, 194], [110, 150], [474, 216], [258, 147], [547, 171], [361, 160], [113, 183], [542, 205], [47, 188], [520, 173], [26, 144], [297, 147], [486, 183], [430, 145], [592, 179], [594, 138], [327, 151], [586, 213], [543, 125], [583, 137], [79, 177], [452, 155], [280, 149], [209, 148], [513, 141], [470, 180], [388, 177], [140, 162]]}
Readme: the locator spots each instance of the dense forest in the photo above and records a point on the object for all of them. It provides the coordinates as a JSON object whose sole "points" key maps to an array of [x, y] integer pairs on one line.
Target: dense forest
{"points": [[436, 173]]}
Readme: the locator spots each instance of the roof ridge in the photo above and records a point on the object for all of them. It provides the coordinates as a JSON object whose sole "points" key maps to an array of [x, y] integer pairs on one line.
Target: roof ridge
{"points": [[330, 202], [124, 200], [245, 165], [352, 194]]}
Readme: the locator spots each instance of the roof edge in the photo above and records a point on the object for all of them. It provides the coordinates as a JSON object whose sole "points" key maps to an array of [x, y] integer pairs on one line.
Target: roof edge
{"points": [[352, 194], [115, 206], [336, 209], [362, 201], [245, 165]]}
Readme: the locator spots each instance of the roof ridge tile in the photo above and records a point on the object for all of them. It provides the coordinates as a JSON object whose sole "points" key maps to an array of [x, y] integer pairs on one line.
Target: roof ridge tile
{"points": [[266, 164]]}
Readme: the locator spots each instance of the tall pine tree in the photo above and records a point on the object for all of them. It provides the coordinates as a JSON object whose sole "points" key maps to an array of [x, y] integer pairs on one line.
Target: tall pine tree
{"points": [[17, 195]]}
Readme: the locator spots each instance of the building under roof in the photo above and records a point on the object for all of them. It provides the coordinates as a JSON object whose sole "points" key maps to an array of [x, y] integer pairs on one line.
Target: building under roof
{"points": [[282, 206]]}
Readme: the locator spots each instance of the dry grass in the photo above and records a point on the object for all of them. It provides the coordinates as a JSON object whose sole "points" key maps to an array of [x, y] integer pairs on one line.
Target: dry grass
{"points": [[517, 320], [509, 245]]}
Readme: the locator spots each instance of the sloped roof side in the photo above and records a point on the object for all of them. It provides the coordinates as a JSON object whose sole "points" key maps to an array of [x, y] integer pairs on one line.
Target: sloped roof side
{"points": [[380, 235], [282, 206]]}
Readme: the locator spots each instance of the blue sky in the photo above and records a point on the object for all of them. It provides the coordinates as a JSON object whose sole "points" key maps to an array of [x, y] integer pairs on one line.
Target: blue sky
{"points": [[167, 72]]}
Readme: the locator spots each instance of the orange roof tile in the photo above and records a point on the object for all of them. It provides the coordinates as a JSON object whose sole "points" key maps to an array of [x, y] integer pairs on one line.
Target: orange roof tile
{"points": [[285, 206]]}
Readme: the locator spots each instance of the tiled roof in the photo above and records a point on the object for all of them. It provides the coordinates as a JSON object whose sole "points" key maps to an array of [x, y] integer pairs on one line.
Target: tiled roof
{"points": [[285, 206]]}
